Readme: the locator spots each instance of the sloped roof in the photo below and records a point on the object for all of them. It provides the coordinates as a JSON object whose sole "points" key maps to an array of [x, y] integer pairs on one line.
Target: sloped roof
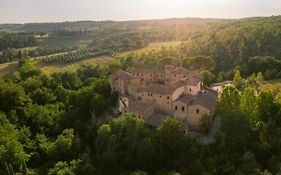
{"points": [[206, 99], [124, 75], [140, 70], [139, 106], [187, 98], [159, 89], [181, 70], [155, 120]]}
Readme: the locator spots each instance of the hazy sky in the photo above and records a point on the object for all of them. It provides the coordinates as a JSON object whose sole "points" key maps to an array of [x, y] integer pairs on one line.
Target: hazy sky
{"points": [[20, 11]]}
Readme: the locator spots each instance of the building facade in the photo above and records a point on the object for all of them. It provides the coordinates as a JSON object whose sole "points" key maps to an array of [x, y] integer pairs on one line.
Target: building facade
{"points": [[156, 94]]}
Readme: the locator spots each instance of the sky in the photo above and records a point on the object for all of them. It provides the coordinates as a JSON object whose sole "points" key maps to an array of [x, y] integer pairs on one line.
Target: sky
{"points": [[26, 11]]}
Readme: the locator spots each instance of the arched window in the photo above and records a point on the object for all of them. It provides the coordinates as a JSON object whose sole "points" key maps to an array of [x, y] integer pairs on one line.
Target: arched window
{"points": [[197, 111], [176, 108], [182, 109]]}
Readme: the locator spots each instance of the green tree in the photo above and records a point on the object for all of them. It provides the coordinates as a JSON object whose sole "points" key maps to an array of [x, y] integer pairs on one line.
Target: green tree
{"points": [[208, 77], [229, 101], [249, 105]]}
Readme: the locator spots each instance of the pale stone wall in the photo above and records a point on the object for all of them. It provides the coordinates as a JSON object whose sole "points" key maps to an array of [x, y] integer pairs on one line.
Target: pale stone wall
{"points": [[162, 103], [140, 114], [134, 87], [178, 92], [195, 114], [193, 90], [180, 110]]}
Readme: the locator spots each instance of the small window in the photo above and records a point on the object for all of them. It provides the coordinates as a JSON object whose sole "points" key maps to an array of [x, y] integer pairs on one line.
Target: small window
{"points": [[197, 111], [139, 116], [184, 76], [182, 108], [176, 108], [148, 94], [154, 100], [175, 75], [168, 97], [160, 96], [190, 90]]}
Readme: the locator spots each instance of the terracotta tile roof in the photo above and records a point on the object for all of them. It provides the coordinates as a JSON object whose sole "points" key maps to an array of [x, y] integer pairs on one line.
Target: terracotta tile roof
{"points": [[206, 99], [159, 89], [187, 98], [139, 106], [181, 70], [140, 70], [124, 75], [155, 119]]}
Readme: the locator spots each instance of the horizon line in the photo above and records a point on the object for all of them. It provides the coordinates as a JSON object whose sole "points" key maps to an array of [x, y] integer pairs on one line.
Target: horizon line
{"points": [[131, 20]]}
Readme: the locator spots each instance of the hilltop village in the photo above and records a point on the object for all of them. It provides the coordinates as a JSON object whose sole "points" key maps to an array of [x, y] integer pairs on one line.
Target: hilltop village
{"points": [[155, 94]]}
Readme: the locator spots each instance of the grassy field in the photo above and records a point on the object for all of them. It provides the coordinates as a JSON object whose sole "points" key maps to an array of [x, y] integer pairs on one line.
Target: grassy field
{"points": [[9, 68], [62, 67], [65, 42]]}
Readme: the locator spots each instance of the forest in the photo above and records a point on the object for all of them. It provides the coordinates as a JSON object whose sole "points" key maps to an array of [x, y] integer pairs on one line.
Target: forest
{"points": [[67, 123]]}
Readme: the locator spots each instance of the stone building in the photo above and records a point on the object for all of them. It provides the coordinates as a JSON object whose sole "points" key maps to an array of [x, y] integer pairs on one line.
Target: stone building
{"points": [[155, 94]]}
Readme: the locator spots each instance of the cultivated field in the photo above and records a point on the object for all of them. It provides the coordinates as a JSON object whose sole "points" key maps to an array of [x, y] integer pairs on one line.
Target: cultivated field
{"points": [[9, 68]]}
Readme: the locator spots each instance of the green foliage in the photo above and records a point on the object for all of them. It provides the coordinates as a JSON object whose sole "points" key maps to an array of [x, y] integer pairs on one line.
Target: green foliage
{"points": [[208, 77], [64, 168], [205, 124], [248, 105], [12, 153], [201, 63], [229, 101]]}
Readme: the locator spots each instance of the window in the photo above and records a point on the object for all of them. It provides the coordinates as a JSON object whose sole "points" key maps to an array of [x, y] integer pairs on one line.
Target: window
{"points": [[190, 90], [176, 108], [151, 75], [184, 76], [160, 96], [175, 75], [154, 100], [147, 94], [168, 97], [116, 79], [182, 108], [137, 74], [197, 111]]}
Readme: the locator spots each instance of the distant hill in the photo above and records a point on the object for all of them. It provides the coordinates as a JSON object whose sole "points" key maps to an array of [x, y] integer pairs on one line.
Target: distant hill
{"points": [[93, 25]]}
